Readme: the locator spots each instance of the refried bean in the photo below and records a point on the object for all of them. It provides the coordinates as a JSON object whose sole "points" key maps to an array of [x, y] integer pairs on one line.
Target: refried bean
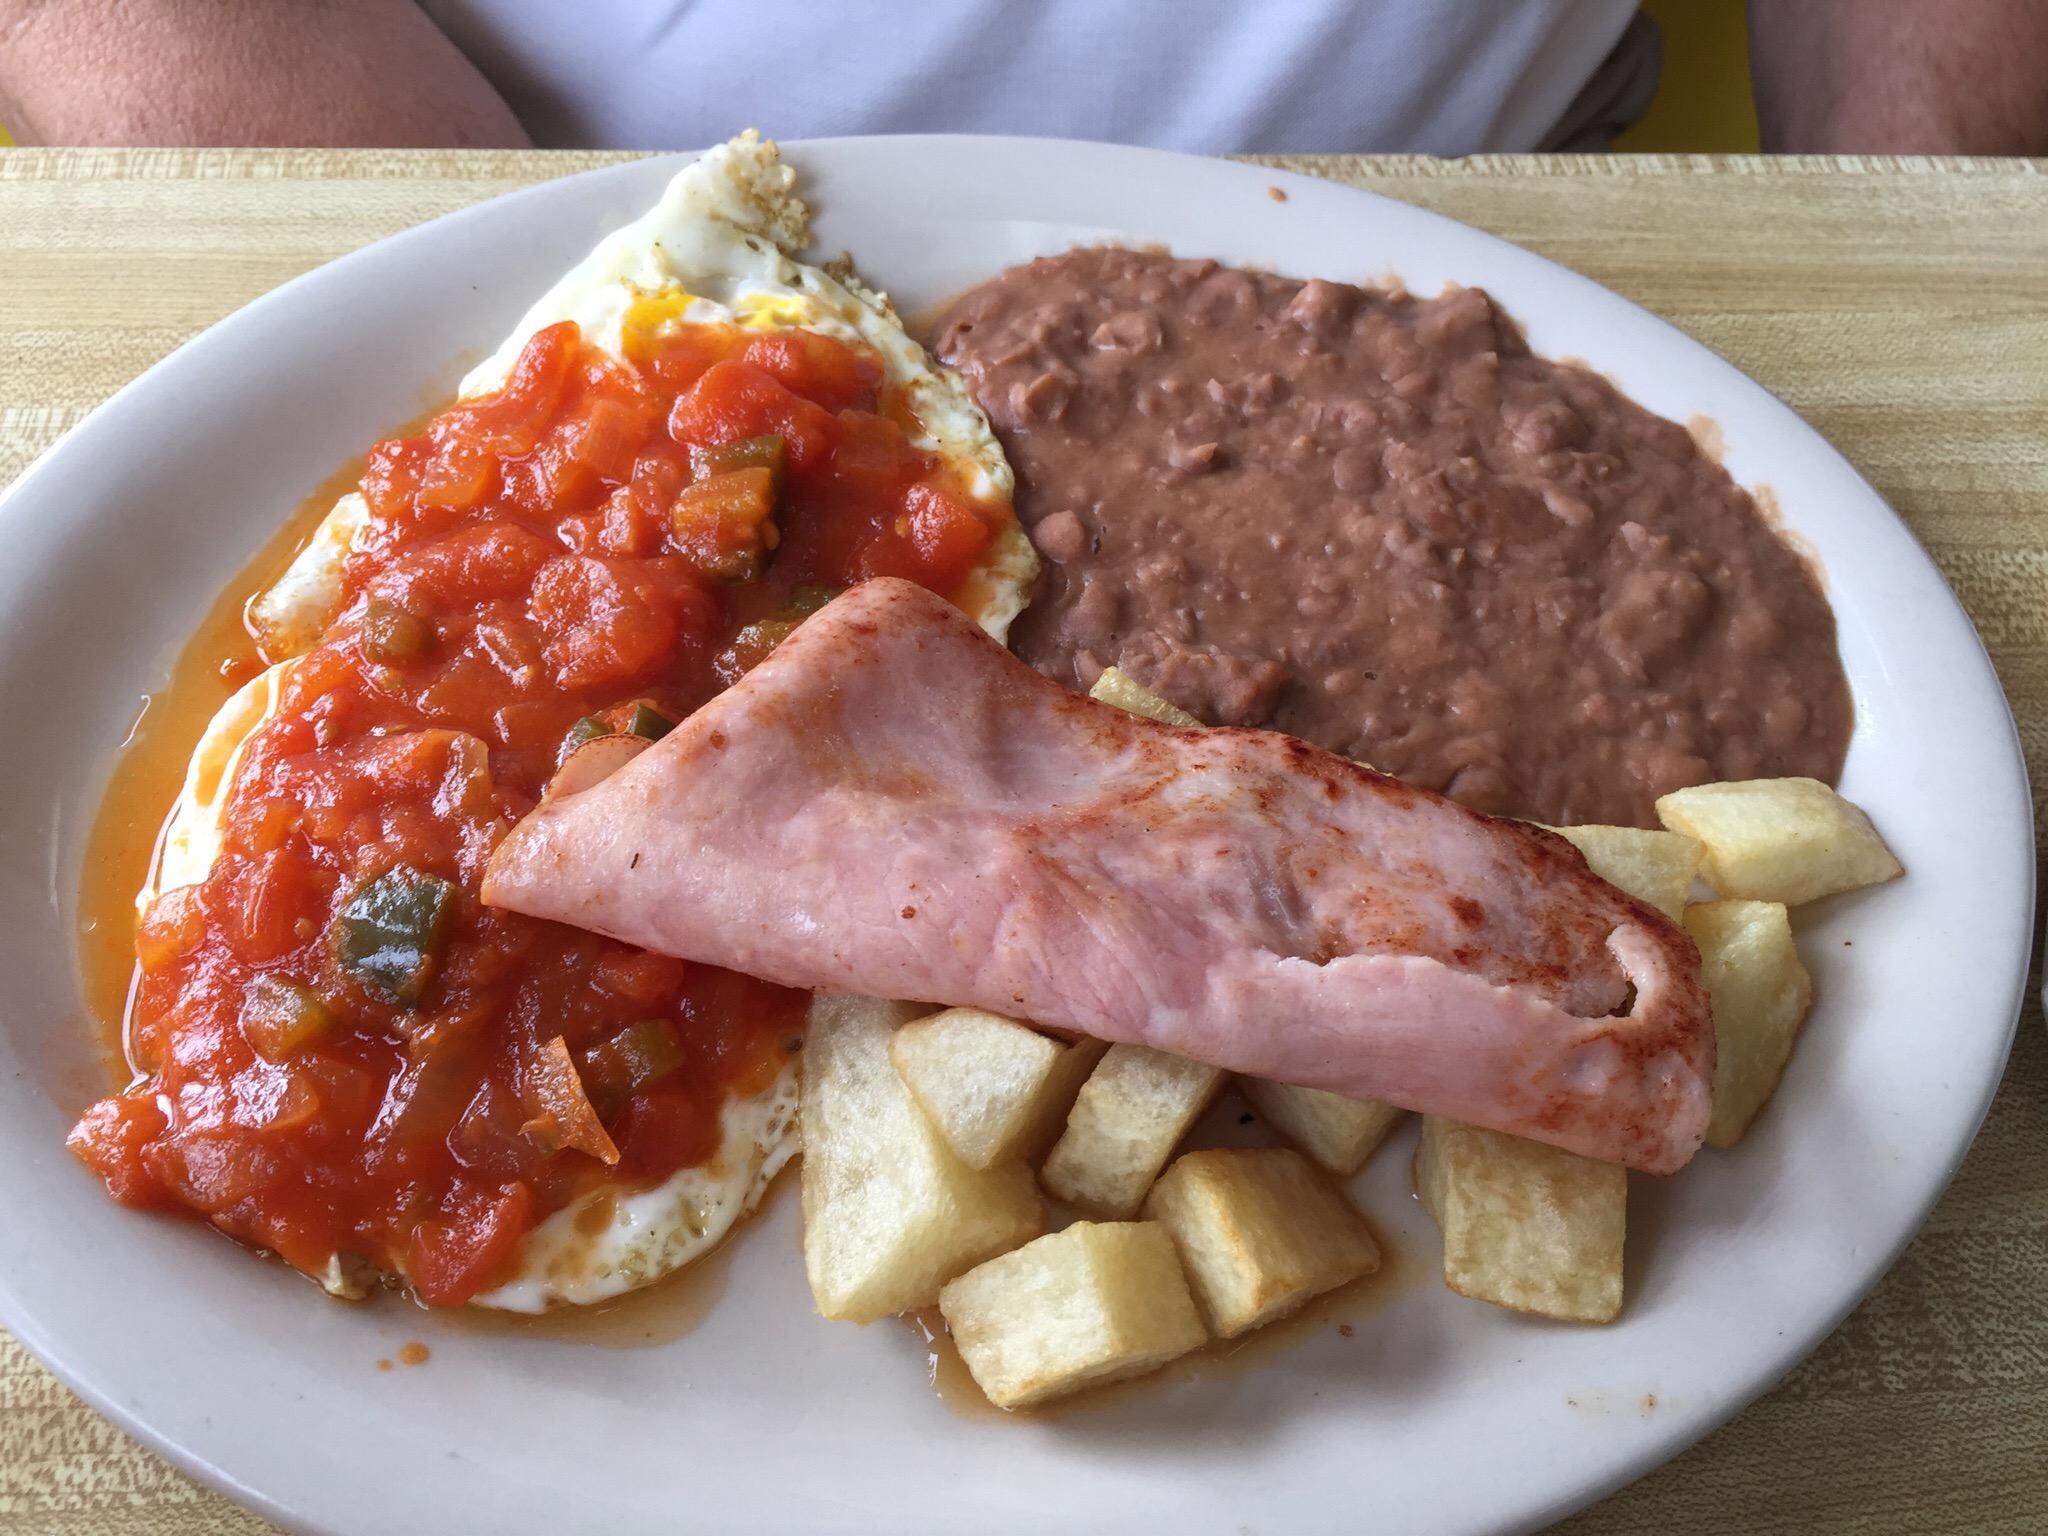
{"points": [[1382, 524]]}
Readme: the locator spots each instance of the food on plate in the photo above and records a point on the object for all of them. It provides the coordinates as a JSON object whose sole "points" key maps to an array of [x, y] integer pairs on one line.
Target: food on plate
{"points": [[1093, 1303], [1657, 867], [687, 286], [1259, 1233], [1381, 523], [1338, 1133], [1788, 840], [659, 680], [681, 452], [1525, 1226], [1131, 1113], [996, 1089], [1117, 687], [1760, 993], [893, 805], [891, 1213]]}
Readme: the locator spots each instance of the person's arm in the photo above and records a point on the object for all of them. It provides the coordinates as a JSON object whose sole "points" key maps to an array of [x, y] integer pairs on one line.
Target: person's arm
{"points": [[1918, 77], [215, 72]]}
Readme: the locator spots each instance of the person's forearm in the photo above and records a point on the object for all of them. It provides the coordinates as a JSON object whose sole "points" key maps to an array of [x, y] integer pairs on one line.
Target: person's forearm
{"points": [[205, 72], [1962, 77]]}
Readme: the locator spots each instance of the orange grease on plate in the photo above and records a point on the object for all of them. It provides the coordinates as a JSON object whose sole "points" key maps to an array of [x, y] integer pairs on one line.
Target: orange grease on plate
{"points": [[150, 766]]}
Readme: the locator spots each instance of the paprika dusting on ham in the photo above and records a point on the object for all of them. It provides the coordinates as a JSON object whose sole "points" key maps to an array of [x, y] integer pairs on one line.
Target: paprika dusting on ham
{"points": [[895, 806], [343, 1053]]}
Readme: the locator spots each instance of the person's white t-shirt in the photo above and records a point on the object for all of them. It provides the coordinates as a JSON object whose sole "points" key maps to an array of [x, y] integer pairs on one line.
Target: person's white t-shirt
{"points": [[1443, 76]]}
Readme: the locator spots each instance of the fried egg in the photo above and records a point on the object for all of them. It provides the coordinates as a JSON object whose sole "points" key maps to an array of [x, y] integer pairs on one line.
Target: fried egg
{"points": [[717, 248]]}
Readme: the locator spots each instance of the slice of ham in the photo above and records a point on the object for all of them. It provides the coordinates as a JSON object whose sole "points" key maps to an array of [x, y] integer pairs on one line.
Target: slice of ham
{"points": [[894, 805]]}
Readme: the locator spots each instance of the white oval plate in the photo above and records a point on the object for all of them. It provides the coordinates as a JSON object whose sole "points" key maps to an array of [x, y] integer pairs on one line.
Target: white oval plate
{"points": [[1439, 1415]]}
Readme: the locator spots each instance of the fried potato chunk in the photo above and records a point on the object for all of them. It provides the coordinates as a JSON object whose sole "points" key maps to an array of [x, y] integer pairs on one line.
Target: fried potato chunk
{"points": [[1760, 993], [1096, 1302], [1127, 1119], [1078, 1059], [1788, 840], [1339, 1134], [890, 1212], [1525, 1226], [1259, 1232], [1118, 687], [1657, 867], [979, 1077]]}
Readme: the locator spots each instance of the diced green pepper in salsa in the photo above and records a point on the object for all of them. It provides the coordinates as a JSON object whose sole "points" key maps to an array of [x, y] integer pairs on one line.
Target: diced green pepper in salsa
{"points": [[752, 645], [810, 597], [648, 722], [769, 452], [725, 524], [388, 934], [588, 729], [391, 634], [640, 719], [279, 1015], [643, 1052]]}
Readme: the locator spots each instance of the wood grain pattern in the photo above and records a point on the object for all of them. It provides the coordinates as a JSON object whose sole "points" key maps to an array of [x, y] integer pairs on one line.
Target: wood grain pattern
{"points": [[1901, 306]]}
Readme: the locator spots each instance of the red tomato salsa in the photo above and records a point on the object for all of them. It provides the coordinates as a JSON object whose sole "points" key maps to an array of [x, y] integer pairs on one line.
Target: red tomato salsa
{"points": [[341, 1051]]}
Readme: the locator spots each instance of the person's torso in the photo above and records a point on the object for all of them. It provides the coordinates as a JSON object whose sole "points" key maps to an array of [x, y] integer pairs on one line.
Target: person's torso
{"points": [[1442, 76]]}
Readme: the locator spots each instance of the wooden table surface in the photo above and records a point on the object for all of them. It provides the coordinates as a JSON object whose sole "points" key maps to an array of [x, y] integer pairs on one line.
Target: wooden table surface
{"points": [[1900, 306]]}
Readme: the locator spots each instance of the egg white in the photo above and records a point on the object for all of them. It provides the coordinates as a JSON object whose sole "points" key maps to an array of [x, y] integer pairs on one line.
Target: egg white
{"points": [[617, 1240], [717, 248]]}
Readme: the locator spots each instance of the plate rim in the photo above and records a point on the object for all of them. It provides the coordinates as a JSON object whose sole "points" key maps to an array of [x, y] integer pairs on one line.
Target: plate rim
{"points": [[1683, 1431]]}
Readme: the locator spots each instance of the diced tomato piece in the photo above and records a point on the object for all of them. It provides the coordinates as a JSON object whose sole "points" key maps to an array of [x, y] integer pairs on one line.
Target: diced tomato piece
{"points": [[512, 420], [488, 1137], [460, 474], [534, 724], [934, 540], [590, 451], [564, 1119], [611, 621], [214, 1170], [658, 474], [680, 358], [819, 368], [258, 905], [462, 1248], [725, 525], [348, 1093], [474, 564], [605, 437], [873, 452], [605, 378], [584, 533], [626, 527], [639, 975], [564, 485], [428, 1094], [109, 1139], [171, 926], [391, 474], [663, 1129], [277, 1104], [737, 400], [947, 532]]}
